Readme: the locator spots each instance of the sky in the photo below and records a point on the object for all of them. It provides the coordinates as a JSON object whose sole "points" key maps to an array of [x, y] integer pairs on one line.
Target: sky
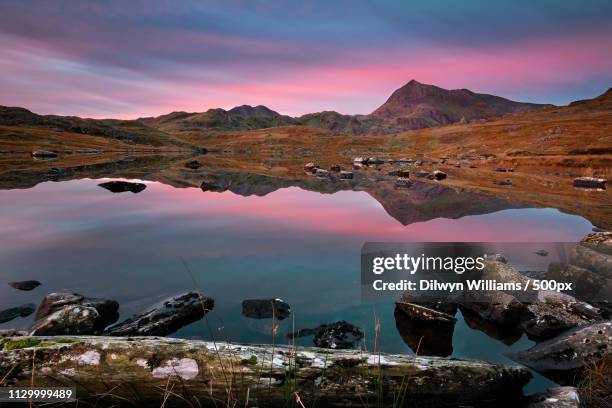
{"points": [[129, 59]]}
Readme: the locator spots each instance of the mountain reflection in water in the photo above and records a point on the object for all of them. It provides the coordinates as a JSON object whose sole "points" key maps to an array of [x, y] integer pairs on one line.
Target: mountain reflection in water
{"points": [[301, 246]]}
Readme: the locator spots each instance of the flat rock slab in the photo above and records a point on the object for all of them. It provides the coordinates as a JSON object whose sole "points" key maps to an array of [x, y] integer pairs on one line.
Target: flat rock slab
{"points": [[140, 369]]}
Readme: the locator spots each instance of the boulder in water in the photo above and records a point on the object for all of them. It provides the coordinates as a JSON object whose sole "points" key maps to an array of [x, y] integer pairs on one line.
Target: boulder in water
{"points": [[339, 335], [266, 309], [25, 285], [49, 321], [15, 312], [166, 317]]}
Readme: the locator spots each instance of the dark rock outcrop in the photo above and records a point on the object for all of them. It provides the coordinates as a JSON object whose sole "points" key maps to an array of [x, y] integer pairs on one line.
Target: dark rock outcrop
{"points": [[166, 317], [117, 186], [266, 309]]}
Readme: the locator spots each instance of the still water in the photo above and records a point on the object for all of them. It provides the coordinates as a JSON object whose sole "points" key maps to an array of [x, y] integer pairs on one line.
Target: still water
{"points": [[301, 246]]}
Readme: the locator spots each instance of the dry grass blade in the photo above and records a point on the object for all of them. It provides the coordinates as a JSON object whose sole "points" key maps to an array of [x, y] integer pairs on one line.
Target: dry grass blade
{"points": [[595, 387]]}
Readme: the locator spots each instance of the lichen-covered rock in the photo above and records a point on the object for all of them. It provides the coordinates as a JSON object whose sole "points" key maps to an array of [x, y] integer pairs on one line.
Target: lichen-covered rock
{"points": [[15, 312], [552, 313], [560, 397], [266, 309], [71, 319], [118, 186], [565, 355], [141, 369], [107, 312], [166, 317]]}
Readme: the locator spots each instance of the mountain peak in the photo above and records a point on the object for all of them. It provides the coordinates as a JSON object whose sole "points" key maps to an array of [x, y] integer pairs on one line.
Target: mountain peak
{"points": [[248, 111], [417, 105]]}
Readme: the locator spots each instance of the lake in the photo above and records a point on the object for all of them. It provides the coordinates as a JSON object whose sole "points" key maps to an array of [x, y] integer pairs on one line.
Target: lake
{"points": [[299, 245]]}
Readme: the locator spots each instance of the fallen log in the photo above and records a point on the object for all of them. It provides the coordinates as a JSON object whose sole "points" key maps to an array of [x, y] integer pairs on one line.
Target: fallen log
{"points": [[147, 370]]}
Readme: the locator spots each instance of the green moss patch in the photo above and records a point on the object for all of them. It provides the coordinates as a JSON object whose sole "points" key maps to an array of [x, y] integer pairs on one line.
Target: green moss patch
{"points": [[249, 361], [20, 344]]}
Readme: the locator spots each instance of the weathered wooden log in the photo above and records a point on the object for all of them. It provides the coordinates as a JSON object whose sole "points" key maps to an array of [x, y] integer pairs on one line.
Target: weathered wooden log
{"points": [[145, 370]]}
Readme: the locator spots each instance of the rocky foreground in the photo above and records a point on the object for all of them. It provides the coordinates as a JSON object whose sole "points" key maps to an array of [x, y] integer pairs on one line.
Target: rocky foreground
{"points": [[145, 370]]}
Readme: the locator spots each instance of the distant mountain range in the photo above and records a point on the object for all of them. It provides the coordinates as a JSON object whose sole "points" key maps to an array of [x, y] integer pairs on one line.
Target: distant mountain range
{"points": [[413, 106]]}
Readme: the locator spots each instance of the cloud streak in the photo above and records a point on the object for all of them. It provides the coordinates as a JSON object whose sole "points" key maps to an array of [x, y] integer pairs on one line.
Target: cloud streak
{"points": [[130, 59]]}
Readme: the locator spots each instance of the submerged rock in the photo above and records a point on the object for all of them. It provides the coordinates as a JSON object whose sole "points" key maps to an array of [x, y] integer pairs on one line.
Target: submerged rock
{"points": [[50, 320], [123, 186], [590, 182], [25, 285], [497, 307], [166, 317], [507, 335], [15, 312], [425, 338], [541, 252], [560, 397], [564, 356], [266, 309], [339, 335]]}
